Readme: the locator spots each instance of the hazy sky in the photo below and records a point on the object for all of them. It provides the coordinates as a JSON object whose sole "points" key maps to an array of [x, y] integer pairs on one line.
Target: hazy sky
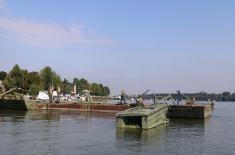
{"points": [[133, 45]]}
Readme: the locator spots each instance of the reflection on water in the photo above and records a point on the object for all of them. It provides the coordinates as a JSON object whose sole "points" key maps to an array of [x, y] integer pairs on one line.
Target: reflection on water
{"points": [[12, 115], [165, 138], [53, 115], [72, 132], [178, 125], [143, 135]]}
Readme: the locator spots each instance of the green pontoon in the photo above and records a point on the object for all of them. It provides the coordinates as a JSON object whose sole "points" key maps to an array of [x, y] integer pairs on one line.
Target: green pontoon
{"points": [[143, 117]]}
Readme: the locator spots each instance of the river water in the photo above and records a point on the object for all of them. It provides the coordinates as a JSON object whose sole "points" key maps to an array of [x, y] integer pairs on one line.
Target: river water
{"points": [[72, 132]]}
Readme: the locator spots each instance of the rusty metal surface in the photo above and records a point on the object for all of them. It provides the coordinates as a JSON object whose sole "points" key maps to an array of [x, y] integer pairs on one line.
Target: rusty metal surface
{"points": [[90, 107]]}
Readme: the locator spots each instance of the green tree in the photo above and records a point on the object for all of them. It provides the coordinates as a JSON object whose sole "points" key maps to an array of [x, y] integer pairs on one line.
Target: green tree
{"points": [[232, 97], [47, 77], [66, 86], [25, 83], [84, 84], [101, 87], [14, 78], [225, 96], [3, 75], [35, 83], [106, 91], [34, 89], [76, 82], [56, 80], [35, 78], [95, 89]]}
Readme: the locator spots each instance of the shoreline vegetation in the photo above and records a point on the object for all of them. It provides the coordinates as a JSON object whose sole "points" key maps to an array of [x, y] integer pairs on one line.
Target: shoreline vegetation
{"points": [[33, 82], [201, 96]]}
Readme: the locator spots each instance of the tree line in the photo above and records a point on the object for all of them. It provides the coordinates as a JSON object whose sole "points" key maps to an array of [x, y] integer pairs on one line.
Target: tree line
{"points": [[32, 82], [201, 96]]}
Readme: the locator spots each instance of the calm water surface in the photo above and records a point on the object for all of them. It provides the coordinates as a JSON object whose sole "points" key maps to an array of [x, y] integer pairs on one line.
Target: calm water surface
{"points": [[72, 132]]}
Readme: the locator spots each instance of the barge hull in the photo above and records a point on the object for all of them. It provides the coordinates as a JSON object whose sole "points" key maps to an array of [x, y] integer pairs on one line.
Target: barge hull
{"points": [[190, 111], [195, 111], [37, 105]]}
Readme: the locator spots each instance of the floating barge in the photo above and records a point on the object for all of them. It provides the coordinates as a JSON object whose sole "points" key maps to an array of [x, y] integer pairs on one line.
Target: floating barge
{"points": [[142, 117], [19, 104], [192, 111]]}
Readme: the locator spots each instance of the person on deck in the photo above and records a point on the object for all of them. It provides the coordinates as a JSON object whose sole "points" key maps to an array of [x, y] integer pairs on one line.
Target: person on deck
{"points": [[123, 98]]}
